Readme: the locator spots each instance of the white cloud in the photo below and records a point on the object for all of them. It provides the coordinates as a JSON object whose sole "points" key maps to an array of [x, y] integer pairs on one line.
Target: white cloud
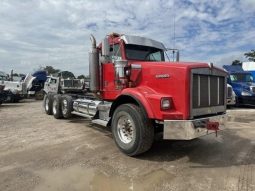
{"points": [[45, 32]]}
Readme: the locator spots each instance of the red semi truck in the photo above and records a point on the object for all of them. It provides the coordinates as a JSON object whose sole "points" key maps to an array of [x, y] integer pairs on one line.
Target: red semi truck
{"points": [[136, 92]]}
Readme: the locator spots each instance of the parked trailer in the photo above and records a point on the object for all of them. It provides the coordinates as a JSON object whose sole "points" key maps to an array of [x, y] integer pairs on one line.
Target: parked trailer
{"points": [[139, 94]]}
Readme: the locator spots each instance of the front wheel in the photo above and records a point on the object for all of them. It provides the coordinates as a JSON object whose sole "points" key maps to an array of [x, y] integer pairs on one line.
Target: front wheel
{"points": [[132, 130]]}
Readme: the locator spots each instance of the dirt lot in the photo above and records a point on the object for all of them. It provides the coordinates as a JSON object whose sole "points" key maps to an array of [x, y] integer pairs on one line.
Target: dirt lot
{"points": [[38, 152]]}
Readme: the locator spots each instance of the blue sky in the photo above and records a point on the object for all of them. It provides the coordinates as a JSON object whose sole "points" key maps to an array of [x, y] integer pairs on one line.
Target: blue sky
{"points": [[56, 32]]}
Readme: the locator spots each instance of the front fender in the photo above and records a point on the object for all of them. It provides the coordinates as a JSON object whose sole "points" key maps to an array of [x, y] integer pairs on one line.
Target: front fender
{"points": [[151, 102], [139, 95]]}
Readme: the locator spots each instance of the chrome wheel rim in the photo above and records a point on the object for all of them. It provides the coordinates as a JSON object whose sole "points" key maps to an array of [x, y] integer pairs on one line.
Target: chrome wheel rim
{"points": [[64, 106], [125, 128], [54, 108], [47, 104]]}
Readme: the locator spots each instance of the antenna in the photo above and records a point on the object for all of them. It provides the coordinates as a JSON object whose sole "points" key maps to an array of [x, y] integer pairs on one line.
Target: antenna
{"points": [[174, 25]]}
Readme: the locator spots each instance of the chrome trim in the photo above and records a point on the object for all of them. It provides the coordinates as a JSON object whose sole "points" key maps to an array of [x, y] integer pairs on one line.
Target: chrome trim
{"points": [[191, 129], [252, 88], [100, 122], [208, 110], [94, 69], [209, 71], [136, 66], [229, 91], [190, 96], [231, 101], [86, 106], [81, 114], [225, 96], [142, 41]]}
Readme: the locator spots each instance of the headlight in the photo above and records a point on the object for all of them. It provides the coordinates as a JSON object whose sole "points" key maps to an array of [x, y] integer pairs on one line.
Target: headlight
{"points": [[165, 103], [245, 93]]}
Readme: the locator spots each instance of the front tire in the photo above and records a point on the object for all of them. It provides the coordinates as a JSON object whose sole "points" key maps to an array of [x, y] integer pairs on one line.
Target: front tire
{"points": [[132, 130]]}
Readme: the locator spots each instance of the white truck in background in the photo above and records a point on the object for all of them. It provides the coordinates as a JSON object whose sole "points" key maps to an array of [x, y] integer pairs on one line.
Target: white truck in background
{"points": [[13, 90], [17, 88], [231, 96], [61, 86]]}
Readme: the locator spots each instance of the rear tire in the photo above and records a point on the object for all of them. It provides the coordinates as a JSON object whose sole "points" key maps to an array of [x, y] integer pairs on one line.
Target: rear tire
{"points": [[67, 106], [47, 103], [39, 95], [132, 130], [56, 107]]}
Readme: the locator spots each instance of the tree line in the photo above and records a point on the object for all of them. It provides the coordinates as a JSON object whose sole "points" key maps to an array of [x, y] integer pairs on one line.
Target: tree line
{"points": [[250, 56], [64, 74]]}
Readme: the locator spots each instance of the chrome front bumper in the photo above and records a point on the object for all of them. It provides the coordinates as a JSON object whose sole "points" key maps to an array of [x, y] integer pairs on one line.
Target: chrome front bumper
{"points": [[191, 129], [231, 101]]}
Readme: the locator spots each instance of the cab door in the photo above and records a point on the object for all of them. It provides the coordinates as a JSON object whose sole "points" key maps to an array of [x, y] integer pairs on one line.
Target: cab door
{"points": [[51, 85], [109, 91]]}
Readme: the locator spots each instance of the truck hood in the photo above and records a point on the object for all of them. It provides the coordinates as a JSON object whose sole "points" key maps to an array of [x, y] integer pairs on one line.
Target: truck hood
{"points": [[239, 87], [189, 65], [167, 79], [243, 85], [180, 64]]}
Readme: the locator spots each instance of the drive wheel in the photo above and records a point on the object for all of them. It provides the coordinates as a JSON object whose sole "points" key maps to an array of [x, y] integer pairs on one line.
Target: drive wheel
{"points": [[39, 95], [47, 103], [67, 106], [56, 106], [132, 130]]}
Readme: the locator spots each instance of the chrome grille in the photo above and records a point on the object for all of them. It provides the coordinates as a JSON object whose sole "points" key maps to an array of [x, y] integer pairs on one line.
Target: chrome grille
{"points": [[72, 83], [208, 92], [229, 92], [253, 89]]}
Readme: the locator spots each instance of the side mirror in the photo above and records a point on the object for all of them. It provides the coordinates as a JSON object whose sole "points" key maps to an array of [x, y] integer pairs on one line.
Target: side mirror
{"points": [[105, 48], [175, 54]]}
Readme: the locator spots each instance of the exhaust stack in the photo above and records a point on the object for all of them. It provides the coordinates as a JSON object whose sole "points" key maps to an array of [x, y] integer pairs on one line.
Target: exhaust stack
{"points": [[94, 66]]}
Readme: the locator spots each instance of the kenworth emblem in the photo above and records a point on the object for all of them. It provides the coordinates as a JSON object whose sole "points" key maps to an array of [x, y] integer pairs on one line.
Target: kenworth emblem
{"points": [[162, 76]]}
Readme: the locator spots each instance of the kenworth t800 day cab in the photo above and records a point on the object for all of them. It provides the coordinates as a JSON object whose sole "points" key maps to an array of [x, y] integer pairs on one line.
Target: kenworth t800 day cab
{"points": [[138, 94]]}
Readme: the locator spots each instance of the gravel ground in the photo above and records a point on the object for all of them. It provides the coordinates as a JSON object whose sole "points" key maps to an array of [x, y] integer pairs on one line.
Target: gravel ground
{"points": [[38, 152]]}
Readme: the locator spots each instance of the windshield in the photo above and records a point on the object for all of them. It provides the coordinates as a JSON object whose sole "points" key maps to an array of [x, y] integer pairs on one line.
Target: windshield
{"points": [[146, 53], [241, 78]]}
